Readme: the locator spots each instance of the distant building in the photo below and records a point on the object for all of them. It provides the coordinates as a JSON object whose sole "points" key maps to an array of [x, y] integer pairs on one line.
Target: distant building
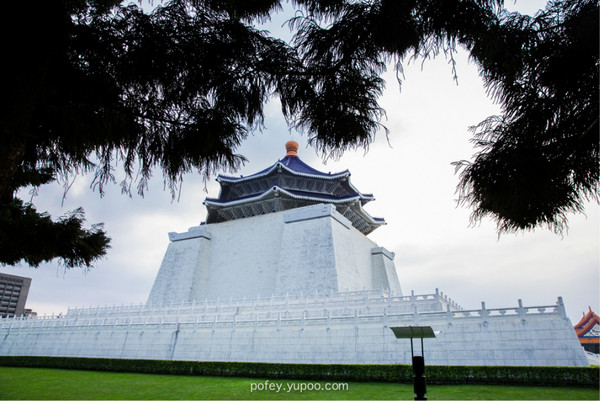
{"points": [[13, 295], [588, 331]]}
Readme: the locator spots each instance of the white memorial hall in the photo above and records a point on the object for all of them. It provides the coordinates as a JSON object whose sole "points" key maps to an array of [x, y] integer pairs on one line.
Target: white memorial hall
{"points": [[283, 271]]}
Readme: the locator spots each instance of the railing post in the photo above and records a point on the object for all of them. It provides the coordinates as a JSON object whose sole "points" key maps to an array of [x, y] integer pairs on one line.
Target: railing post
{"points": [[415, 315], [484, 313], [560, 306], [521, 310]]}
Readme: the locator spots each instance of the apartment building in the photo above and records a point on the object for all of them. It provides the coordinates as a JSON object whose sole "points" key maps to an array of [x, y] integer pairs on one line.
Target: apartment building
{"points": [[13, 294]]}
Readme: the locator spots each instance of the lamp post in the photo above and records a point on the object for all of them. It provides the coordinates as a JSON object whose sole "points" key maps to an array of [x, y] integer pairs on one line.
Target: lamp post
{"points": [[418, 362]]}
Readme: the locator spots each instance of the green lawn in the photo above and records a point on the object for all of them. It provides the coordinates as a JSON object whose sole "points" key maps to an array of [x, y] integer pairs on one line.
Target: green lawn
{"points": [[52, 384]]}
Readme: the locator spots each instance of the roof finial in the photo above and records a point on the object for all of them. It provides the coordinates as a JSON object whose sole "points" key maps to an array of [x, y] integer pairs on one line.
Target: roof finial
{"points": [[292, 148]]}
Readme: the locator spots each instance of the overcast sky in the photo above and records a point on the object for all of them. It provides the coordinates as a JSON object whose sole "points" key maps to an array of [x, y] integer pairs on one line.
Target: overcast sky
{"points": [[414, 183]]}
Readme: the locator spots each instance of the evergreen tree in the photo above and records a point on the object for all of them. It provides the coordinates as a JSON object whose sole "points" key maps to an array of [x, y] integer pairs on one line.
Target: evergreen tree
{"points": [[179, 87]]}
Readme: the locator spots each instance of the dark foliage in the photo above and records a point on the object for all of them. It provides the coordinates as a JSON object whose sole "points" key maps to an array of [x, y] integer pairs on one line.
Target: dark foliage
{"points": [[178, 89], [26, 235], [540, 159]]}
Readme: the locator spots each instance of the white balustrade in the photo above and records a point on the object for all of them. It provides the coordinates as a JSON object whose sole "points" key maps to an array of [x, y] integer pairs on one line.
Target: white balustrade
{"points": [[340, 307]]}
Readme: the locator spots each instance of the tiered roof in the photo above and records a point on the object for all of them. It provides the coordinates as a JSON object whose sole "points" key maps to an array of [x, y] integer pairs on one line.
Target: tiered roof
{"points": [[288, 184], [588, 328]]}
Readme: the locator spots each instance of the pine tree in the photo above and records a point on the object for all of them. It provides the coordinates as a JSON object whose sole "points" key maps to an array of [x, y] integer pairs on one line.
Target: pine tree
{"points": [[179, 87]]}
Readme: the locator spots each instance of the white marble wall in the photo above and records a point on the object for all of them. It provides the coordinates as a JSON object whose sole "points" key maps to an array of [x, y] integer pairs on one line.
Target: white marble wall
{"points": [[302, 250], [299, 286], [336, 328], [384, 270]]}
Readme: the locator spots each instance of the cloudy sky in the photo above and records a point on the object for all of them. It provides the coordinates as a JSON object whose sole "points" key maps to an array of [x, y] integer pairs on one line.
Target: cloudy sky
{"points": [[411, 176]]}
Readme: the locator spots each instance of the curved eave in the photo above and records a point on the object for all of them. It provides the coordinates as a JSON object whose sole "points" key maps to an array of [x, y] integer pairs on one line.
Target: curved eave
{"points": [[585, 320], [585, 329], [353, 206], [364, 198], [375, 221], [334, 176], [273, 190]]}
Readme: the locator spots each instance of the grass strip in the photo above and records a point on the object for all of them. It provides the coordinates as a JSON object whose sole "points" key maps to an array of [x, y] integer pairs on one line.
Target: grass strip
{"points": [[61, 384]]}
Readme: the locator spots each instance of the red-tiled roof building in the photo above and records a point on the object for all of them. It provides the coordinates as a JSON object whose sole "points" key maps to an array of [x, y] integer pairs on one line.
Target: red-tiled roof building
{"points": [[588, 331]]}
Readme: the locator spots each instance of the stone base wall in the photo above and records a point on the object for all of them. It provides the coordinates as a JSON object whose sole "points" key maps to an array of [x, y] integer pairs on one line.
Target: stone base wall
{"points": [[303, 250], [349, 327]]}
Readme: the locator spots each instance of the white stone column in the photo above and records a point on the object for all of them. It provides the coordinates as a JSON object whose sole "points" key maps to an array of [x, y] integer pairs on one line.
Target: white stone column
{"points": [[384, 270], [182, 265]]}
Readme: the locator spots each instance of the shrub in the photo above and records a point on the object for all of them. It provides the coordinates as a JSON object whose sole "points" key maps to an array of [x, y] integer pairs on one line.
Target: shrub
{"points": [[436, 374]]}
